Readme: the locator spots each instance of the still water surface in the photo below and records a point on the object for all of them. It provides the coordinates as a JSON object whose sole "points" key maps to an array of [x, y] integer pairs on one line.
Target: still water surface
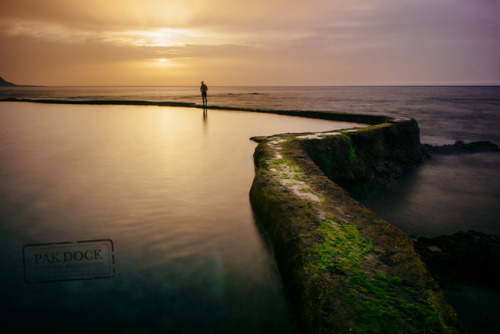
{"points": [[444, 195], [169, 187]]}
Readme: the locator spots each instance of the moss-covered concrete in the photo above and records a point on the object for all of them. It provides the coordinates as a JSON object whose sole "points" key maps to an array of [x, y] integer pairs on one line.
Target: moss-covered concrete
{"points": [[344, 268], [372, 155]]}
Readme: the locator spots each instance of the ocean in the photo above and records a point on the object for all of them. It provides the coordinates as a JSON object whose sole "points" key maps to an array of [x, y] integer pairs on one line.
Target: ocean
{"points": [[445, 195], [444, 114], [132, 174]]}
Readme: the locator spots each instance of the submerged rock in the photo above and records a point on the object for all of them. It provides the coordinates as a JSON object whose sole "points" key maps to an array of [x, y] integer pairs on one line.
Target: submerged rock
{"points": [[462, 147], [465, 257]]}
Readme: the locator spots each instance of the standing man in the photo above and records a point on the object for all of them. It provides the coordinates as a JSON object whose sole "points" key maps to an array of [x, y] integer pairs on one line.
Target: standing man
{"points": [[203, 90]]}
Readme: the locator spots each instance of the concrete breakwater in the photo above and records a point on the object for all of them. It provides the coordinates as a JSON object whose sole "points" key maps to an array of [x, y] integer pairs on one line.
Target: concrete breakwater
{"points": [[344, 268]]}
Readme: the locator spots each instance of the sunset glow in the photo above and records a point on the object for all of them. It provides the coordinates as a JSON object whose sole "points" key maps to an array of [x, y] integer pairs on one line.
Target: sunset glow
{"points": [[250, 43]]}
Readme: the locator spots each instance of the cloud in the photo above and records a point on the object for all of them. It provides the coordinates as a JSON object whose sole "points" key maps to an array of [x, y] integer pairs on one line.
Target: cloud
{"points": [[258, 22], [97, 14], [325, 38]]}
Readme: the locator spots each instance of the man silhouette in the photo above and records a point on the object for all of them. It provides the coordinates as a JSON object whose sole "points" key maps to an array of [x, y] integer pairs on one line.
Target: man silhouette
{"points": [[203, 90]]}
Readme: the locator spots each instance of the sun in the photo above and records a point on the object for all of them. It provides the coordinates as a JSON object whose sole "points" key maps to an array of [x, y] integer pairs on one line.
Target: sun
{"points": [[163, 62]]}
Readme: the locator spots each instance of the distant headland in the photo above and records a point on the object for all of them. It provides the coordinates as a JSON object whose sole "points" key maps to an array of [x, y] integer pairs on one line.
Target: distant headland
{"points": [[4, 83]]}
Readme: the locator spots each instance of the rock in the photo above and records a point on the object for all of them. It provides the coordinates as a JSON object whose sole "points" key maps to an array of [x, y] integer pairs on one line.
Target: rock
{"points": [[468, 257], [462, 147]]}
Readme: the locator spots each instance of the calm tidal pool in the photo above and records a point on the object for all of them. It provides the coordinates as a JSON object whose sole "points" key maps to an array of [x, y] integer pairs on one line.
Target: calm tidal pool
{"points": [[169, 187]]}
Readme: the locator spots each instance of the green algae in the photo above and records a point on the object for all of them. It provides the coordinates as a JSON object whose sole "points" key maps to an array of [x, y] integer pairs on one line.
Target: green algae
{"points": [[378, 301], [292, 165], [371, 127], [380, 305], [343, 245], [288, 169], [353, 158], [327, 161]]}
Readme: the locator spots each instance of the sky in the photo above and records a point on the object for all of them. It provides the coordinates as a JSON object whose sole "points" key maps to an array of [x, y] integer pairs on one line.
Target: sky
{"points": [[250, 42]]}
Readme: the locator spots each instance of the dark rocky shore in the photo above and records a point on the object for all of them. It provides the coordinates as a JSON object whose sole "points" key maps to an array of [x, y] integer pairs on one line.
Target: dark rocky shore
{"points": [[465, 257], [468, 257], [461, 147]]}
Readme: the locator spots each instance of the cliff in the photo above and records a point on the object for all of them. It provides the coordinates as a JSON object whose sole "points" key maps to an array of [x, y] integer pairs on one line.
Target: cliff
{"points": [[344, 268]]}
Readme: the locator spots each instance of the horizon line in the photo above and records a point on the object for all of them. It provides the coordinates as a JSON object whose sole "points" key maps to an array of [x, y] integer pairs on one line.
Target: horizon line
{"points": [[363, 85]]}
